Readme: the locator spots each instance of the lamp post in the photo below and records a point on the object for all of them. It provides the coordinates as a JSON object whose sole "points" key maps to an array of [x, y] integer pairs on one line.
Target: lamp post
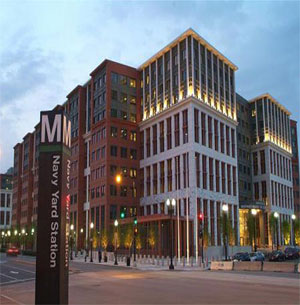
{"points": [[116, 223], [293, 227], [171, 203], [276, 215], [91, 240], [254, 212], [23, 233], [225, 211], [71, 241]]}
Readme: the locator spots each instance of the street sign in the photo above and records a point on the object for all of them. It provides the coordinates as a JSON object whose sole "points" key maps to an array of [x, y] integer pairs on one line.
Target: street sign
{"points": [[52, 261]]}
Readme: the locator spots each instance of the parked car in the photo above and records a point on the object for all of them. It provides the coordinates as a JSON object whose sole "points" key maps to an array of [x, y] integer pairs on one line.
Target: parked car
{"points": [[277, 256], [291, 253], [257, 257], [241, 257], [12, 251]]}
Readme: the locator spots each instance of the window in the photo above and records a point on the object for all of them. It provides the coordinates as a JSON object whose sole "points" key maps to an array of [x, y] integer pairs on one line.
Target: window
{"points": [[217, 169], [114, 77], [256, 191], [148, 142], [113, 151], [123, 152], [132, 117], [124, 133], [169, 164], [176, 130], [169, 133], [227, 141], [161, 136], [185, 126], [123, 80], [124, 115], [154, 143], [133, 135], [123, 192], [197, 161], [113, 170], [203, 128], [262, 162], [114, 95], [204, 172], [133, 100], [162, 176], [223, 177], [113, 211], [148, 180], [216, 135], [154, 179], [234, 180], [232, 143], [114, 132], [229, 179], [211, 174], [113, 190], [196, 119], [142, 145], [114, 113], [132, 173], [132, 83], [123, 98], [133, 154], [222, 137], [255, 164], [124, 171], [210, 133]]}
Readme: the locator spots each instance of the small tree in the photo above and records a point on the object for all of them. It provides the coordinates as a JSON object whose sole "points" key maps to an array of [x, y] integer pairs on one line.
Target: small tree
{"points": [[286, 231], [232, 236], [206, 237], [297, 231], [138, 243], [94, 239], [250, 227], [152, 238], [104, 241], [128, 237]]}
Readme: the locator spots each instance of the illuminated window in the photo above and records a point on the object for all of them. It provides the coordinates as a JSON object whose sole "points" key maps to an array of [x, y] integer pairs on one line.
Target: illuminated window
{"points": [[124, 133], [132, 100], [123, 80], [147, 79], [132, 83], [133, 136], [253, 112], [133, 117], [124, 98]]}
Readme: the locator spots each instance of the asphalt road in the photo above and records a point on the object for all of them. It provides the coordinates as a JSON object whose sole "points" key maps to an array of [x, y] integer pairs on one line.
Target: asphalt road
{"points": [[98, 284]]}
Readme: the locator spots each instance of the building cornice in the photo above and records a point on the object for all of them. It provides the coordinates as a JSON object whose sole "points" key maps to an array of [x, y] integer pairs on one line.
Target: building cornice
{"points": [[181, 37]]}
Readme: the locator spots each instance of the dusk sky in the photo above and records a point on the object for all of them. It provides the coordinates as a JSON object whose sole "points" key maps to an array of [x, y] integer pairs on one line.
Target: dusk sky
{"points": [[47, 48]]}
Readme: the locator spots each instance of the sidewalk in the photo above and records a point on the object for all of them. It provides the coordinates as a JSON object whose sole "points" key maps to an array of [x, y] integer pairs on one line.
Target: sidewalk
{"points": [[157, 264]]}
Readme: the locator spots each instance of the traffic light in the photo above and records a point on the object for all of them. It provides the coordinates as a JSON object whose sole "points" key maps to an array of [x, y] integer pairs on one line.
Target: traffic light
{"points": [[135, 231], [201, 217], [135, 221], [122, 215]]}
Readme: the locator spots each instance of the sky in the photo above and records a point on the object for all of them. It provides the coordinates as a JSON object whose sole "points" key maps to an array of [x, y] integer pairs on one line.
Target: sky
{"points": [[47, 48]]}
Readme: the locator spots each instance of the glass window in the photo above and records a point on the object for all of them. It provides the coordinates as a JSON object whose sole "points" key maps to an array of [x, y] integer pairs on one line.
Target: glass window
{"points": [[114, 131], [133, 135], [124, 133], [114, 77], [133, 100], [132, 83]]}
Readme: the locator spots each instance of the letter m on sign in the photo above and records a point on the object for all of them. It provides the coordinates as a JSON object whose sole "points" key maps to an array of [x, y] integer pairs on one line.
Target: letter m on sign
{"points": [[51, 132]]}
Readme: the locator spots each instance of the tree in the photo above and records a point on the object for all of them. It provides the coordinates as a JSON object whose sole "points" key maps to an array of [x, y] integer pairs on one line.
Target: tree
{"points": [[232, 236], [226, 225], [128, 237], [104, 240], [286, 231], [206, 237], [297, 231], [152, 237], [95, 239], [138, 243]]}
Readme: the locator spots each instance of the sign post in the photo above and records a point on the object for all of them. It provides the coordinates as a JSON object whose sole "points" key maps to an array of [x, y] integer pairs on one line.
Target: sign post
{"points": [[52, 261]]}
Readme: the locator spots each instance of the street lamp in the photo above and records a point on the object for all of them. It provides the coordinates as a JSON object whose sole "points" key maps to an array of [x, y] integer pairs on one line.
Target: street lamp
{"points": [[171, 203], [118, 178], [23, 233], [71, 241], [254, 212], [91, 240], [225, 211], [32, 231], [276, 215], [293, 227], [116, 223]]}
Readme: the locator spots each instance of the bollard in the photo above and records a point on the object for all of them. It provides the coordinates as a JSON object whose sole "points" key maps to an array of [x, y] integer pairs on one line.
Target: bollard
{"points": [[192, 261], [206, 262], [183, 262]]}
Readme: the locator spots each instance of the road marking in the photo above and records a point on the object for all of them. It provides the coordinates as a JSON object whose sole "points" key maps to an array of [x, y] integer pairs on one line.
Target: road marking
{"points": [[13, 300], [14, 272], [21, 269], [10, 277], [15, 281]]}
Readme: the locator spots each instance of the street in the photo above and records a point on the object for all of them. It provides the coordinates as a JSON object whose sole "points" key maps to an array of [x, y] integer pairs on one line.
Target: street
{"points": [[98, 284]]}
